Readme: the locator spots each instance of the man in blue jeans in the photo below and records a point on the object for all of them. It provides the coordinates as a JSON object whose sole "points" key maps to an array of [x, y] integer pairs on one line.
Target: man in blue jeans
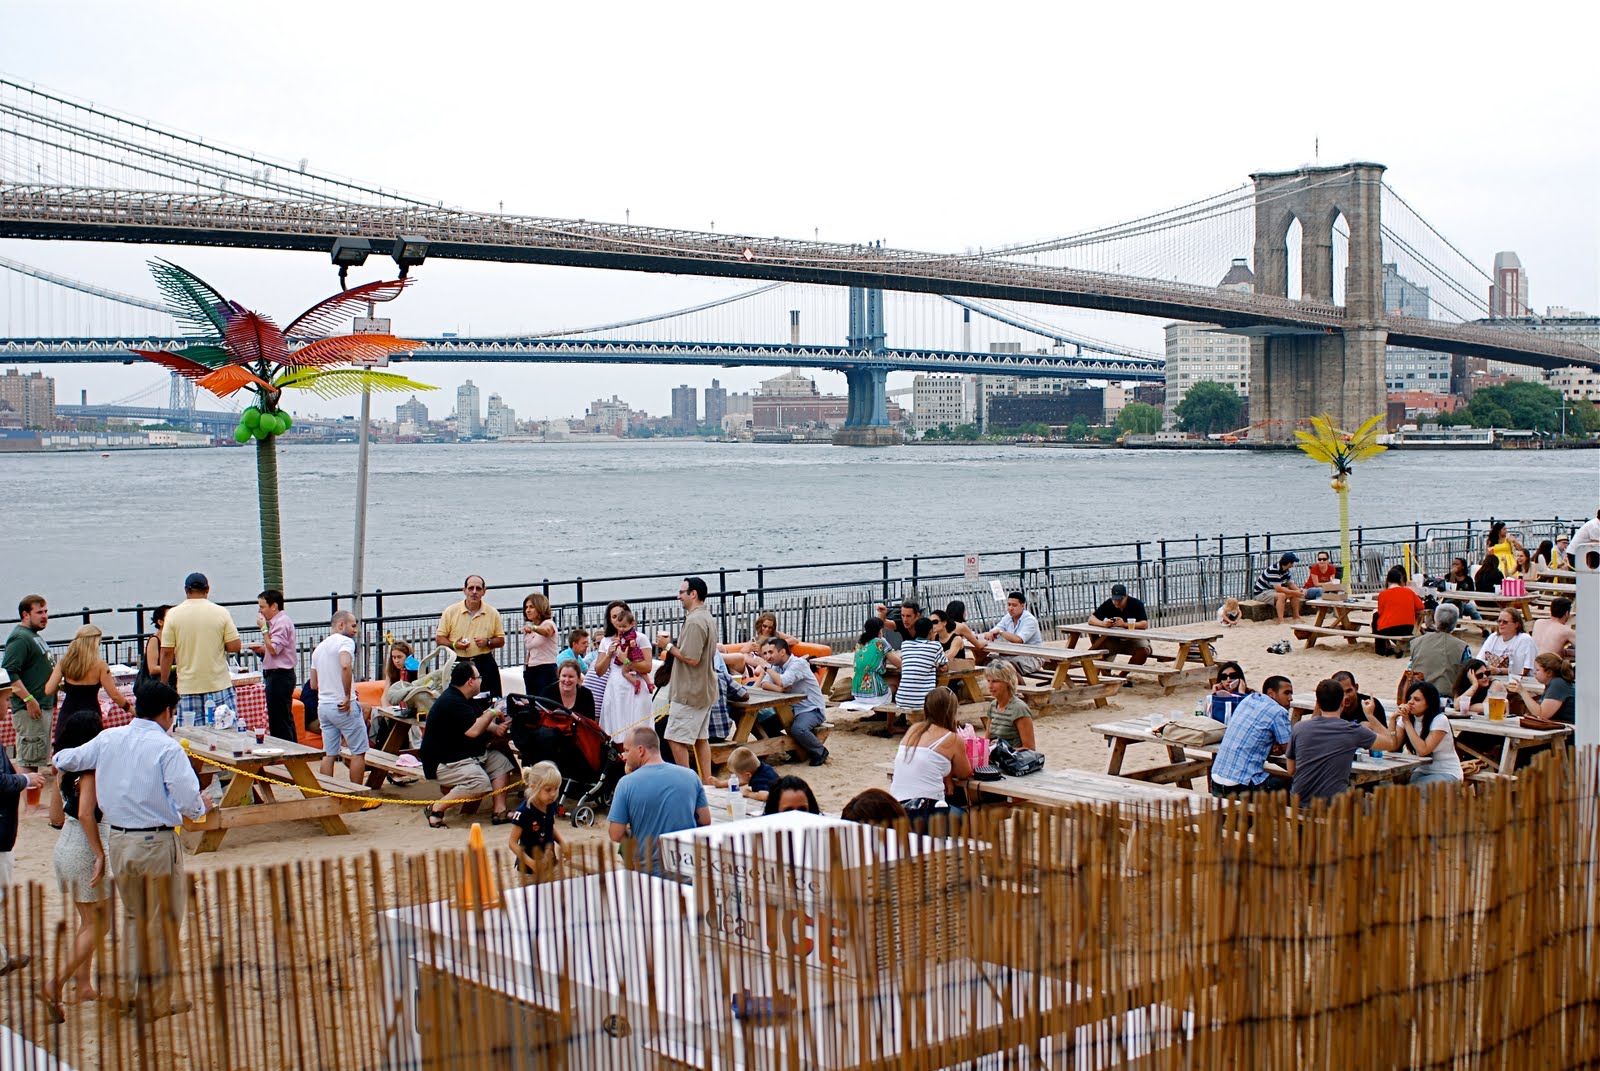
{"points": [[788, 672]]}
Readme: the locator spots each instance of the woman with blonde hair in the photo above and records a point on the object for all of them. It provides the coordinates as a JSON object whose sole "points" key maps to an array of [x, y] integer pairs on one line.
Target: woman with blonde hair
{"points": [[80, 867], [80, 675], [764, 628], [535, 841], [1009, 717]]}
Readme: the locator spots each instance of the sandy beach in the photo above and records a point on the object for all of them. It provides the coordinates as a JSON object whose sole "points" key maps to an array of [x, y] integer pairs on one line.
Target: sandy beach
{"points": [[853, 765]]}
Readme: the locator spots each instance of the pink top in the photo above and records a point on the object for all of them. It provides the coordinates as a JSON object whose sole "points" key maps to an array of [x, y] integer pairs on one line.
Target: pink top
{"points": [[281, 630], [541, 649]]}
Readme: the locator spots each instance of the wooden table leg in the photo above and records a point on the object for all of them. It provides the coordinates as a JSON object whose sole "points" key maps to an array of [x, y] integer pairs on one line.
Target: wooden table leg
{"points": [[1091, 674], [1176, 756], [237, 793], [1508, 758], [394, 742], [1119, 751], [300, 773]]}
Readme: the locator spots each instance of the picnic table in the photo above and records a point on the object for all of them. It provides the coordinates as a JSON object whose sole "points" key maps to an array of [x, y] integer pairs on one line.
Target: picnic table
{"points": [[248, 693], [1188, 760], [1065, 787], [1521, 603], [1192, 661], [1551, 587], [960, 675], [1343, 626], [1063, 662], [747, 733], [248, 802], [1513, 736]]}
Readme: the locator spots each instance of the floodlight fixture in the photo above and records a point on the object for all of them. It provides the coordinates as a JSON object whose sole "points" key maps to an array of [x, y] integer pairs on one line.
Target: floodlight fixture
{"points": [[409, 251], [348, 253]]}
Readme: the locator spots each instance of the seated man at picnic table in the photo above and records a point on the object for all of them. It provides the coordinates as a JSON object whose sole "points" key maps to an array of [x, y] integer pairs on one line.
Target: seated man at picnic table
{"points": [[1122, 611], [1257, 728], [785, 672], [1438, 655], [455, 748], [1555, 634], [1018, 626], [1284, 592], [1322, 748]]}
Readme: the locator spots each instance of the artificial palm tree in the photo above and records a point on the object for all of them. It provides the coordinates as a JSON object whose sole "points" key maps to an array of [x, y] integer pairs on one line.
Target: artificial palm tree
{"points": [[235, 349], [1343, 450]]}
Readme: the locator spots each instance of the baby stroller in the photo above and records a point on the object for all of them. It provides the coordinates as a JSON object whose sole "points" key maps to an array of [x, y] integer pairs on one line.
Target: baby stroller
{"points": [[589, 762]]}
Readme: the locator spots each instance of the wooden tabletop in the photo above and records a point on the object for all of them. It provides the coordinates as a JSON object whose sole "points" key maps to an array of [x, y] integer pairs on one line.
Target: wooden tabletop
{"points": [[1346, 604], [1081, 786], [761, 697], [1043, 652], [229, 741], [1200, 634], [1482, 596], [1511, 728], [1553, 587]]}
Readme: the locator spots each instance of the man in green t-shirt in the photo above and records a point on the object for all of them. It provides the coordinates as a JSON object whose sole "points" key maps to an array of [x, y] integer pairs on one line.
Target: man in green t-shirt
{"points": [[27, 661]]}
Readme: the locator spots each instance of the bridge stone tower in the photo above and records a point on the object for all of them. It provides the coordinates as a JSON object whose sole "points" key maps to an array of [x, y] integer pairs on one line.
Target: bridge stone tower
{"points": [[867, 421], [1297, 373]]}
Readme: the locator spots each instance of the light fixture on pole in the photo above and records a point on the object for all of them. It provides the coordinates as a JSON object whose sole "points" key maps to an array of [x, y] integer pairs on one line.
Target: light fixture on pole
{"points": [[409, 251], [349, 253]]}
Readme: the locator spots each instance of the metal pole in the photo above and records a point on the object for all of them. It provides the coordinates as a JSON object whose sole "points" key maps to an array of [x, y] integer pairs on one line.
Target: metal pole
{"points": [[359, 558]]}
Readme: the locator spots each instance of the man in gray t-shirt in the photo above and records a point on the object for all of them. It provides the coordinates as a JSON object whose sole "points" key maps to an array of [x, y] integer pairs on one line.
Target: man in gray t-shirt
{"points": [[1322, 747], [694, 679]]}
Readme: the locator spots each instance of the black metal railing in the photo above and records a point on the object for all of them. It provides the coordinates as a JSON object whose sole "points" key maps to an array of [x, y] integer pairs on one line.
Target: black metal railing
{"points": [[1180, 580]]}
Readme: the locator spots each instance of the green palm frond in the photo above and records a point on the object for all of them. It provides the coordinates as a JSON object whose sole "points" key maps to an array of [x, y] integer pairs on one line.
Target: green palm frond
{"points": [[193, 302], [346, 382], [211, 356]]}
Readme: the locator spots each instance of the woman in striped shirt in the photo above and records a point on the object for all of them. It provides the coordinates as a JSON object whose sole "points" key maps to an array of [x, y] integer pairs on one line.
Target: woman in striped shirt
{"points": [[920, 659]]}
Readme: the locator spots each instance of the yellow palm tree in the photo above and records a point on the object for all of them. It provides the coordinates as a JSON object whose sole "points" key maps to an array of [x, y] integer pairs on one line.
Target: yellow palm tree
{"points": [[1326, 442]]}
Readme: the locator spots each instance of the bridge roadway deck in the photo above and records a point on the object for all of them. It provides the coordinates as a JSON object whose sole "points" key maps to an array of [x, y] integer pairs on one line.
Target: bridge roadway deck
{"points": [[53, 212]]}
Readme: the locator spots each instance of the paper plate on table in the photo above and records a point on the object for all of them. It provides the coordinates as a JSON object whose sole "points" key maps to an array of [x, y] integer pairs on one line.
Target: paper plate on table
{"points": [[266, 751]]}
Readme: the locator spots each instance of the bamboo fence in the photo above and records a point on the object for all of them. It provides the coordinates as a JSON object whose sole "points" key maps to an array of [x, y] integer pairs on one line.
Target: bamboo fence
{"points": [[1445, 928]]}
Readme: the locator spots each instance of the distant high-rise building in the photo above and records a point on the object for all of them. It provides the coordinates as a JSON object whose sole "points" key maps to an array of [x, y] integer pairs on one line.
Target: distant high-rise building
{"points": [[1409, 371], [502, 419], [411, 412], [608, 417], [1508, 296], [469, 416], [685, 408], [941, 400], [32, 397], [1401, 296], [716, 403], [1199, 353]]}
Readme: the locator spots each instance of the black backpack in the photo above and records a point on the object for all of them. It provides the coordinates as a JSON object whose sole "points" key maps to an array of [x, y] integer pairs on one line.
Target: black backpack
{"points": [[1015, 762]]}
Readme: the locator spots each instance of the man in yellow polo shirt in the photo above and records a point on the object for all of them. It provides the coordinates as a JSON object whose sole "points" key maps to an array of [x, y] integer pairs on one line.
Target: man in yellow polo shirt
{"points": [[472, 629], [198, 636]]}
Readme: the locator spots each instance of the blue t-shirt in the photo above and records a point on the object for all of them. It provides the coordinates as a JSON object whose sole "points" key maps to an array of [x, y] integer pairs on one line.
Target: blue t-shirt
{"points": [[654, 800], [763, 778]]}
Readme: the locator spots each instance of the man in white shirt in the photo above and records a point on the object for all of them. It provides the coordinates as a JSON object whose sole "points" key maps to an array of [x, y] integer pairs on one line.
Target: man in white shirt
{"points": [[146, 787], [333, 676], [1018, 626]]}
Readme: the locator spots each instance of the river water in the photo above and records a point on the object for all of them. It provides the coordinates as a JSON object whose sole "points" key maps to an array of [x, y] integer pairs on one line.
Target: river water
{"points": [[102, 532]]}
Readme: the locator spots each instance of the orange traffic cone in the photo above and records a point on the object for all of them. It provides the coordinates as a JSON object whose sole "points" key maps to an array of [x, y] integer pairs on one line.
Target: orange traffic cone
{"points": [[479, 891]]}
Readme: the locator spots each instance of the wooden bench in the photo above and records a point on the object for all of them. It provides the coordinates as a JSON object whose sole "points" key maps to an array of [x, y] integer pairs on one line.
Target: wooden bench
{"points": [[382, 764], [1162, 672], [1312, 633], [1044, 699], [333, 782], [973, 714], [767, 747]]}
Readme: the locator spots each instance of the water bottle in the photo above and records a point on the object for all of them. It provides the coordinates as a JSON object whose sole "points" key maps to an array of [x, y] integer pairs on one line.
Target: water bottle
{"points": [[735, 799], [210, 714], [241, 730]]}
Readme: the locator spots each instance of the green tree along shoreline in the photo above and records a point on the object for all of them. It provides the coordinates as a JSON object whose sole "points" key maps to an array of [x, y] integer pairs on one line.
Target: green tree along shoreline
{"points": [[1209, 408], [1524, 406]]}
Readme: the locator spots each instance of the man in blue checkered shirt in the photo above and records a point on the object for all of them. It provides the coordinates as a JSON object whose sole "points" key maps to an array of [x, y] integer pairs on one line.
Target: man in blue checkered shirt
{"points": [[1258, 727]]}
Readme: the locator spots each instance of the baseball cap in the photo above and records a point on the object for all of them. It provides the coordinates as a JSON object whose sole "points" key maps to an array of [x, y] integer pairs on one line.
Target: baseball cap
{"points": [[1118, 590], [1290, 556], [196, 582]]}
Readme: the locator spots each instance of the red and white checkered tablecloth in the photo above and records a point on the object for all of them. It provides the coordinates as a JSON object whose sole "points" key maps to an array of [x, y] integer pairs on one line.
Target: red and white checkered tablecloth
{"points": [[251, 697]]}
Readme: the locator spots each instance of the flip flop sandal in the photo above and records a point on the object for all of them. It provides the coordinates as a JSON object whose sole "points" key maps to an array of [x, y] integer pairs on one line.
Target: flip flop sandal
{"points": [[435, 819]]}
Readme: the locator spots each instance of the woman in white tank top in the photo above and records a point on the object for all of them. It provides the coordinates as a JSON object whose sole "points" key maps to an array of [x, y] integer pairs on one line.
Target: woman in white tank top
{"points": [[929, 756]]}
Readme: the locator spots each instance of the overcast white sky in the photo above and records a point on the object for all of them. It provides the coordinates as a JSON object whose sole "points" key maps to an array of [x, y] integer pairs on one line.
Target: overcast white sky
{"points": [[936, 126]]}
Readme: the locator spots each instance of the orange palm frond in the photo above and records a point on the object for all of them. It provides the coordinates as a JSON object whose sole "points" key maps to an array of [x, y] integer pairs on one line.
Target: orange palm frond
{"points": [[329, 314], [348, 349], [253, 337], [176, 363], [226, 381]]}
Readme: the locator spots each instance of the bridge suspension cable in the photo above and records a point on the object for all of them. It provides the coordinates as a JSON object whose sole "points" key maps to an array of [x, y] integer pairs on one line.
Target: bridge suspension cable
{"points": [[80, 286]]}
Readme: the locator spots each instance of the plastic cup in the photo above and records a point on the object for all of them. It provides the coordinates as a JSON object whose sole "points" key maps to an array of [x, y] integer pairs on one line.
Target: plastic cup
{"points": [[1496, 706], [261, 737], [34, 795]]}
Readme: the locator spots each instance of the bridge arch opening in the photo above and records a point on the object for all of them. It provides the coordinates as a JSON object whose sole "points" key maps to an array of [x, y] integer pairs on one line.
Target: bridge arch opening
{"points": [[1292, 242], [1341, 255]]}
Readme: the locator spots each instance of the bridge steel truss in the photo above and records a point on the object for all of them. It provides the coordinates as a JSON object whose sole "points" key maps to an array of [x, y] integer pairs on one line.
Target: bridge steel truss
{"points": [[89, 214], [606, 351]]}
